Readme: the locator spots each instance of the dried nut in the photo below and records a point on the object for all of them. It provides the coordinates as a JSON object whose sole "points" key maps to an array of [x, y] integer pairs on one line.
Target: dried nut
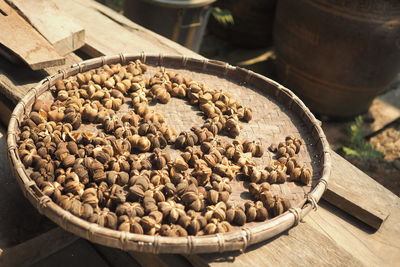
{"points": [[89, 112], [254, 148], [186, 139], [248, 114], [160, 159], [215, 227], [236, 215], [180, 164], [143, 144], [107, 218], [136, 192], [267, 199], [172, 211], [68, 160], [172, 230], [305, 176], [278, 208], [216, 212], [214, 196], [150, 226]]}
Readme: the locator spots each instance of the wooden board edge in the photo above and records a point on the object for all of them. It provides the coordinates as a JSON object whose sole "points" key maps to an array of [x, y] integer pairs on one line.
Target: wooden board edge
{"points": [[67, 46], [37, 248], [375, 220], [46, 64], [196, 260], [5, 110]]}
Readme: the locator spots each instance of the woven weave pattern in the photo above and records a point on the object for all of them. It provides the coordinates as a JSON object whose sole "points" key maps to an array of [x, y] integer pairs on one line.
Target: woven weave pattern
{"points": [[271, 123], [276, 114]]}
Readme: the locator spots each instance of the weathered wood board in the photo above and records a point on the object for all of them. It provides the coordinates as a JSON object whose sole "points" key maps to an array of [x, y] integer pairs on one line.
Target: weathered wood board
{"points": [[356, 193], [160, 260], [109, 37], [163, 44], [37, 248], [59, 29], [79, 253], [116, 257], [372, 248], [15, 81], [300, 246], [20, 38]]}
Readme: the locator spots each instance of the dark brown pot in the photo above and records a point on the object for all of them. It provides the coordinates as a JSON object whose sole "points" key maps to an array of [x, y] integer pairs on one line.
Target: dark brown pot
{"points": [[337, 55], [253, 22]]}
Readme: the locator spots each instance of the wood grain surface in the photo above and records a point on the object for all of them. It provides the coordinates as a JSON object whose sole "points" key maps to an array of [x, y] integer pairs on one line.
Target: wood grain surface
{"points": [[15, 81], [300, 246], [164, 44], [37, 248], [356, 193], [20, 38], [59, 29], [108, 37]]}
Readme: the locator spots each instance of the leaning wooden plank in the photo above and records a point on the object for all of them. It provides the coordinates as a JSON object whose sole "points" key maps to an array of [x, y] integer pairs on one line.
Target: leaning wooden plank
{"points": [[5, 110], [59, 29], [107, 37], [159, 260], [301, 246], [356, 193], [164, 44], [37, 248], [79, 253], [18, 36], [115, 257], [15, 81]]}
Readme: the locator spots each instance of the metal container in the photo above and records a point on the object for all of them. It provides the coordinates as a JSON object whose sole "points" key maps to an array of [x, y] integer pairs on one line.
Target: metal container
{"points": [[182, 21], [337, 55]]}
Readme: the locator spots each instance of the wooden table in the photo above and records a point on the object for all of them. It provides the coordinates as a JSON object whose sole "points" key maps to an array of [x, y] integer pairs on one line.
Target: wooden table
{"points": [[328, 236]]}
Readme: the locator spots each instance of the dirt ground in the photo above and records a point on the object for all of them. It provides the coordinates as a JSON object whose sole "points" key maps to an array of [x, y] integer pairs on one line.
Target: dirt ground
{"points": [[382, 122]]}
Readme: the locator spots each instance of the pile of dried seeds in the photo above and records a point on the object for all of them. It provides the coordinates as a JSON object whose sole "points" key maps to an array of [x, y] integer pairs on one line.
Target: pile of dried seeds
{"points": [[120, 175]]}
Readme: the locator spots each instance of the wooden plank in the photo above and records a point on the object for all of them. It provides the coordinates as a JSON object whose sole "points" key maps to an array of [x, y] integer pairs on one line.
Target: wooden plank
{"points": [[353, 191], [163, 44], [60, 30], [147, 259], [159, 260], [324, 234], [15, 81], [372, 248], [5, 110], [116, 257], [79, 253], [107, 37], [37, 248], [18, 36], [300, 246]]}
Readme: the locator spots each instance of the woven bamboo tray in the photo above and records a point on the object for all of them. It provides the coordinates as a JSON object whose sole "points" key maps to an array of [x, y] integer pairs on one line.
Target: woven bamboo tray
{"points": [[277, 112]]}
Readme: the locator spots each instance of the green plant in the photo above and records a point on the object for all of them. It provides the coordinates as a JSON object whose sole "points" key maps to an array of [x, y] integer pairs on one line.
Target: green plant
{"points": [[223, 16], [357, 146]]}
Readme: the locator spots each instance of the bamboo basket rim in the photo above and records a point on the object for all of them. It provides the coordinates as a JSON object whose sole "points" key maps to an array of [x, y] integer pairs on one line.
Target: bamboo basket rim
{"points": [[233, 240]]}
